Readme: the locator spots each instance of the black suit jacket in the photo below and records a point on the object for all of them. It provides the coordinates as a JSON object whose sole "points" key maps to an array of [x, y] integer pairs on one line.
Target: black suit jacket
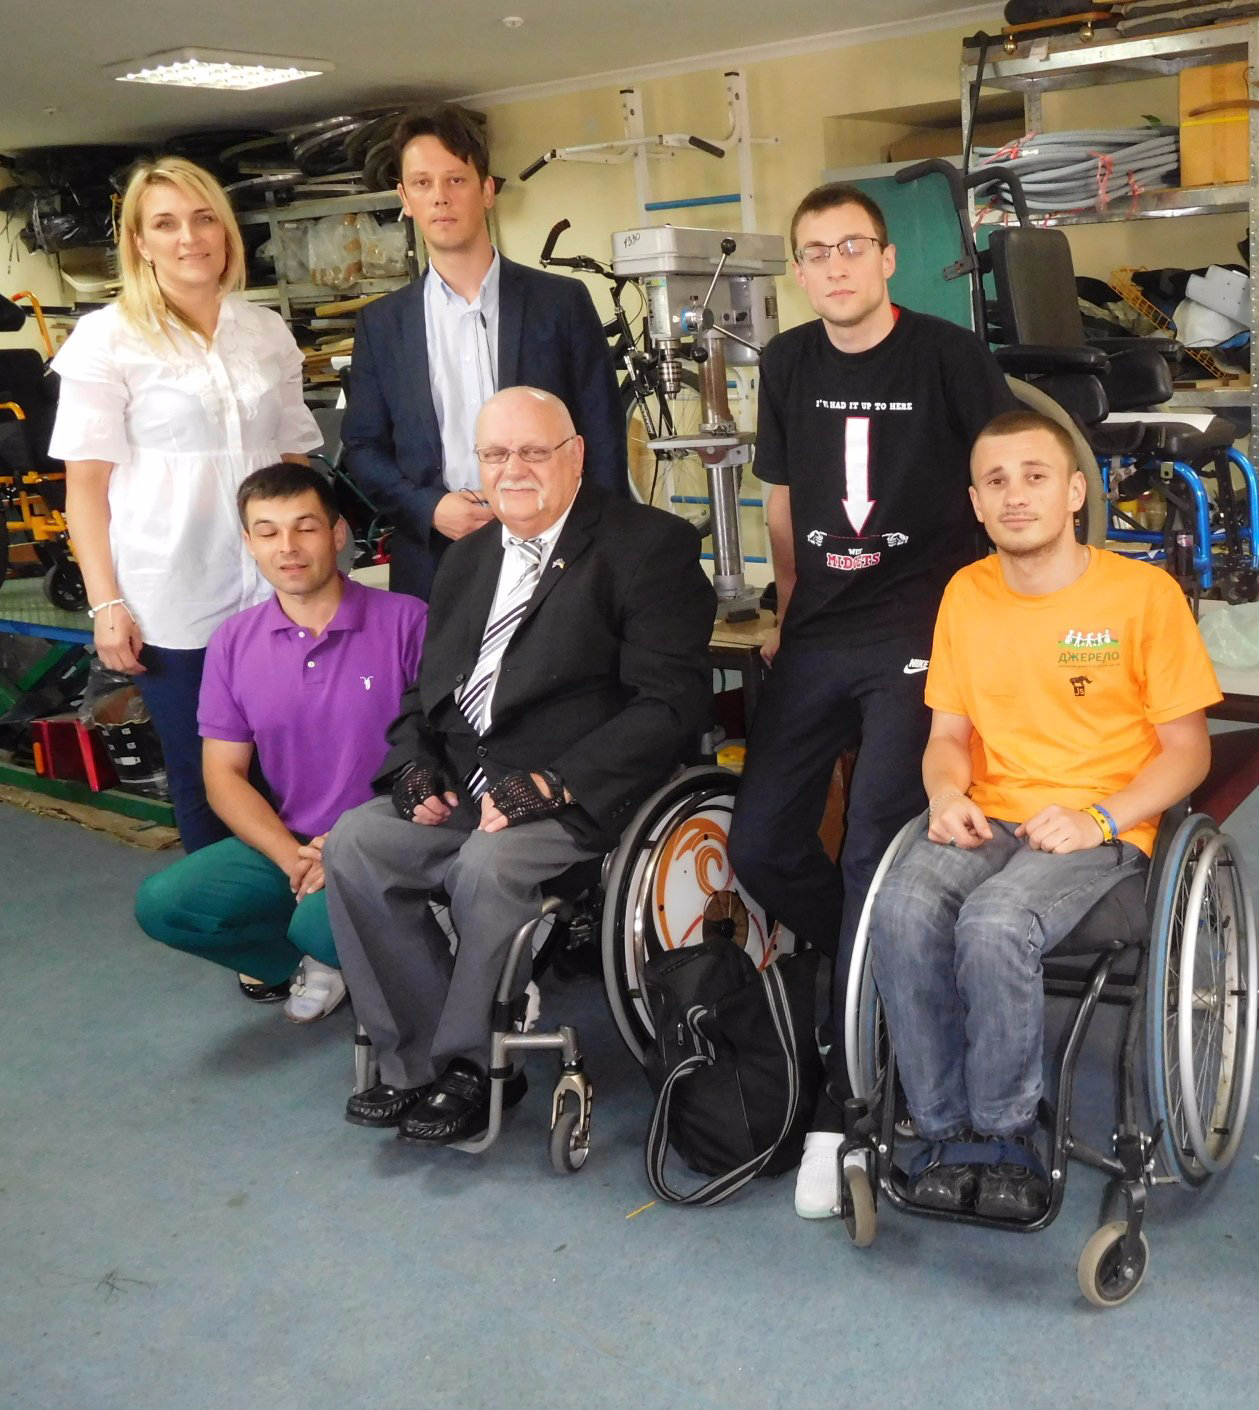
{"points": [[549, 336], [606, 679]]}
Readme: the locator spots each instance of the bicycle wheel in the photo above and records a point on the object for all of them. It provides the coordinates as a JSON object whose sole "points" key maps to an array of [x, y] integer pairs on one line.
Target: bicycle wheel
{"points": [[672, 480]]}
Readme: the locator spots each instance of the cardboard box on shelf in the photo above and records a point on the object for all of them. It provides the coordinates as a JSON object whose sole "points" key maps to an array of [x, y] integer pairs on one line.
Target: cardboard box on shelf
{"points": [[1214, 125], [947, 141]]}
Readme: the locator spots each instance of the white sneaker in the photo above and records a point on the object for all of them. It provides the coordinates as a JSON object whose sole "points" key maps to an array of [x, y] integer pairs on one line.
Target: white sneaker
{"points": [[817, 1180], [316, 990]]}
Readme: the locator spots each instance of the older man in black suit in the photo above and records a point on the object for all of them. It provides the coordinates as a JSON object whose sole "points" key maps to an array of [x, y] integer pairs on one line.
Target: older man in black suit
{"points": [[564, 676], [428, 356]]}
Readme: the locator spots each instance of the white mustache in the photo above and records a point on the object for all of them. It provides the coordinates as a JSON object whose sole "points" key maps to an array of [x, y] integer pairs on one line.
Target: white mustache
{"points": [[519, 484]]}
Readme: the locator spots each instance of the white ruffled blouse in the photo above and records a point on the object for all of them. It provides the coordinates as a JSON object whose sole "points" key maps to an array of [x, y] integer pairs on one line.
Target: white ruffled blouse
{"points": [[183, 427]]}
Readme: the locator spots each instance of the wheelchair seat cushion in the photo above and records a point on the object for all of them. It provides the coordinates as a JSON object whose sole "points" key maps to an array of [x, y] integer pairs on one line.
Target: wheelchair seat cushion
{"points": [[1118, 920], [1191, 436]]}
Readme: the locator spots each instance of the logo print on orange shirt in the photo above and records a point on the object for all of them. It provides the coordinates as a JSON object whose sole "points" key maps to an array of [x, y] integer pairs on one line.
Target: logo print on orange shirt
{"points": [[1088, 648], [1078, 683]]}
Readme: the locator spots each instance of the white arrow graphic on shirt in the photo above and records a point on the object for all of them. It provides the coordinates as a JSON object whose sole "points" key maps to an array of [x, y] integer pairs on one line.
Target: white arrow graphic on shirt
{"points": [[857, 504]]}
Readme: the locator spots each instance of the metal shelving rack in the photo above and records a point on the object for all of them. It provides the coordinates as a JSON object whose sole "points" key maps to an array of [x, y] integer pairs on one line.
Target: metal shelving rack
{"points": [[286, 295], [274, 216], [1044, 65]]}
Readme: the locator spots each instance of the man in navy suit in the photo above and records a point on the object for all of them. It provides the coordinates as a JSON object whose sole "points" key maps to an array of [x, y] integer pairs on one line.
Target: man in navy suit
{"points": [[429, 356]]}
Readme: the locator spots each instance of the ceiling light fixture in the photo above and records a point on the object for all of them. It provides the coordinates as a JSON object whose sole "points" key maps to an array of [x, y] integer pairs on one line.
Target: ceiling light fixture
{"points": [[215, 68]]}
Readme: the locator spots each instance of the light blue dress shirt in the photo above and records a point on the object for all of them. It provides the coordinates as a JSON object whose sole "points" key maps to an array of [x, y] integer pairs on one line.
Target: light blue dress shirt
{"points": [[462, 368]]}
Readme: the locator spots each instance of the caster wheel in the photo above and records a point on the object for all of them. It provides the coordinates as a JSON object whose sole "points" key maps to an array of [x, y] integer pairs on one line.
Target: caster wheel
{"points": [[1104, 1278], [856, 1205], [63, 587], [569, 1144]]}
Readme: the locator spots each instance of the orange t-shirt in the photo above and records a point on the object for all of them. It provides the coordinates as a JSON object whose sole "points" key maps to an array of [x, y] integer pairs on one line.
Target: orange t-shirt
{"points": [[1064, 691]]}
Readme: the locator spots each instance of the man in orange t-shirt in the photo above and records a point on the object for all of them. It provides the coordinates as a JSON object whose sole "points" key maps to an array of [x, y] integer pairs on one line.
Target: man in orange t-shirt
{"points": [[1068, 688]]}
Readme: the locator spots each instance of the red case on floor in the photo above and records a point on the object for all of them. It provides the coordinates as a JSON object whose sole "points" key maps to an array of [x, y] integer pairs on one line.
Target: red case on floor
{"points": [[67, 749], [97, 764], [55, 742]]}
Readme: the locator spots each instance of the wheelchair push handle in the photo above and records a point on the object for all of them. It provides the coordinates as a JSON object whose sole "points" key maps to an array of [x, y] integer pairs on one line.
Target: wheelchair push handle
{"points": [[959, 184]]}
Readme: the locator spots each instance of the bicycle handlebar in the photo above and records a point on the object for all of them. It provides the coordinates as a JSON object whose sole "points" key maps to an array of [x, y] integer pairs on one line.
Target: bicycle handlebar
{"points": [[556, 230]]}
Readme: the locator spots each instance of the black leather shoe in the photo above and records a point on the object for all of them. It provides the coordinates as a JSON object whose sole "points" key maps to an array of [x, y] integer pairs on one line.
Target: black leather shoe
{"points": [[951, 1187], [457, 1106], [383, 1105], [260, 993], [1008, 1191]]}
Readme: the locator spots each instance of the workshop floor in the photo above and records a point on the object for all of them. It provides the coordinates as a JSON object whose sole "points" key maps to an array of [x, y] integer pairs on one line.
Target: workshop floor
{"points": [[187, 1222]]}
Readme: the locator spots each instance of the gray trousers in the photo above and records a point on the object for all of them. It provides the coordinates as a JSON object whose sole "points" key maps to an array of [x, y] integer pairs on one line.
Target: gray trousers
{"points": [[420, 1005]]}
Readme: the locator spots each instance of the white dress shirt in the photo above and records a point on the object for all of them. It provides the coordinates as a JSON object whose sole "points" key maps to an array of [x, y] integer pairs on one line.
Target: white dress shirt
{"points": [[515, 562], [462, 340], [183, 425]]}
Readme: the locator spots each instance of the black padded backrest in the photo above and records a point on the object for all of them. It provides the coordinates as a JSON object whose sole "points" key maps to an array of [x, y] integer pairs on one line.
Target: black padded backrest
{"points": [[24, 380], [1035, 279]]}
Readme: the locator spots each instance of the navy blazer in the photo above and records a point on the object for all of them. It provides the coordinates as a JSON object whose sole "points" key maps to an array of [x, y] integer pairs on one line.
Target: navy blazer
{"points": [[606, 679], [549, 336]]}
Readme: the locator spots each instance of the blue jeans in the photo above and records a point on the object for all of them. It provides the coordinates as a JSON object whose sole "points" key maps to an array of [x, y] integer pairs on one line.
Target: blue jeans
{"points": [[958, 937], [170, 686]]}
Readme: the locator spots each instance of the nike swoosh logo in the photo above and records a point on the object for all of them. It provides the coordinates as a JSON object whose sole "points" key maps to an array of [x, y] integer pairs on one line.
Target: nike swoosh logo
{"points": [[912, 670]]}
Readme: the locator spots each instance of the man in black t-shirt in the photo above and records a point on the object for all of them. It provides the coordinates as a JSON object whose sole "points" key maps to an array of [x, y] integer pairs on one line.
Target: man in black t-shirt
{"points": [[866, 421]]}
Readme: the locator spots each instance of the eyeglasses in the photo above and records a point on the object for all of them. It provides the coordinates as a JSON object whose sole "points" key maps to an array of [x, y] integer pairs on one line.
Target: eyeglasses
{"points": [[852, 248], [531, 455]]}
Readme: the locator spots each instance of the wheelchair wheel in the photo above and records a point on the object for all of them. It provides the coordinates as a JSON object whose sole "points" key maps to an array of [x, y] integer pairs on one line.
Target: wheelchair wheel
{"points": [[1201, 996], [865, 1027], [671, 884], [1091, 527], [63, 586], [569, 1144], [1105, 1278], [856, 1206]]}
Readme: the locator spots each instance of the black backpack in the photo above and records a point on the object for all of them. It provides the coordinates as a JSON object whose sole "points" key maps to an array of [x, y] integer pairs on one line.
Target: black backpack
{"points": [[734, 1065]]}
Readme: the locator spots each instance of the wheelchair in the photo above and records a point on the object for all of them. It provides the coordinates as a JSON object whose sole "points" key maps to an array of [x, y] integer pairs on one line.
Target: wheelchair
{"points": [[1177, 949], [668, 883], [32, 484], [1107, 393]]}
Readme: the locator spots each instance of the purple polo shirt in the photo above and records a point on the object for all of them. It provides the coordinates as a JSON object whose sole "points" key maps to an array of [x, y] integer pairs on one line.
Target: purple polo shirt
{"points": [[315, 708]]}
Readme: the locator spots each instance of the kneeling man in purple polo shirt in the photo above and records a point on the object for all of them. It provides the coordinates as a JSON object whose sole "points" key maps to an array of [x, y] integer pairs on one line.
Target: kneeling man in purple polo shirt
{"points": [[310, 681]]}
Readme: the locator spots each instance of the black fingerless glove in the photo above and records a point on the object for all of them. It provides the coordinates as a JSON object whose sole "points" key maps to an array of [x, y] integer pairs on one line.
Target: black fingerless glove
{"points": [[520, 800], [412, 785]]}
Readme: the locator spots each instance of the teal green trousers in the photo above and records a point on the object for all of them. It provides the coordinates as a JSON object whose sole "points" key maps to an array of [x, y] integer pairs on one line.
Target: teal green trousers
{"points": [[231, 905]]}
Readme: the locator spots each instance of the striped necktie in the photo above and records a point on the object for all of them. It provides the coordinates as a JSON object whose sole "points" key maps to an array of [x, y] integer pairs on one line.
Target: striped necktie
{"points": [[475, 696]]}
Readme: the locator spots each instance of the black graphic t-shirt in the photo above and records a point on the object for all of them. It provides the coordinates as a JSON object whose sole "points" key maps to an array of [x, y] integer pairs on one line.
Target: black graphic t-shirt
{"points": [[875, 448]]}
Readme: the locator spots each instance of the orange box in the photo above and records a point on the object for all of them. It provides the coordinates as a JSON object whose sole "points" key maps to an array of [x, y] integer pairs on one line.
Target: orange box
{"points": [[1215, 145]]}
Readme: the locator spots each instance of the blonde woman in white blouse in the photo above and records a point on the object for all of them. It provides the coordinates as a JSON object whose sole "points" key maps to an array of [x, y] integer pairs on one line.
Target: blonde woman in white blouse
{"points": [[169, 398]]}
